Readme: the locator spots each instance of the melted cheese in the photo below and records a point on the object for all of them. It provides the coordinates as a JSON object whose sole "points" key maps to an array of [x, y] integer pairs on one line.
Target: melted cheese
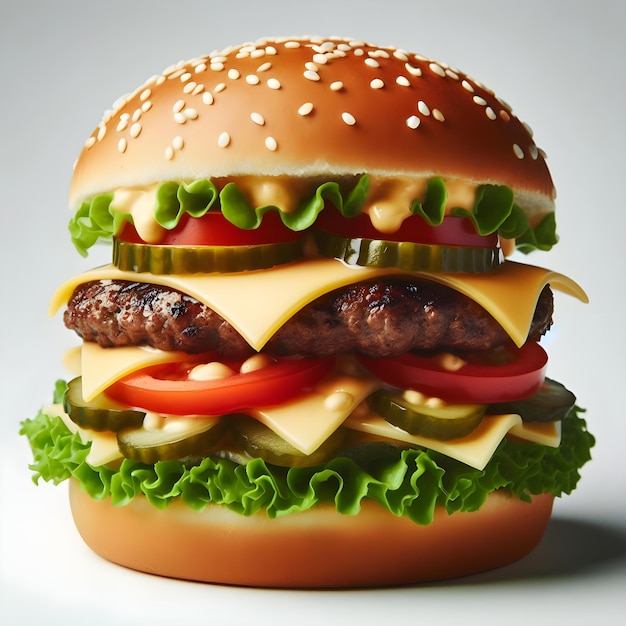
{"points": [[258, 303]]}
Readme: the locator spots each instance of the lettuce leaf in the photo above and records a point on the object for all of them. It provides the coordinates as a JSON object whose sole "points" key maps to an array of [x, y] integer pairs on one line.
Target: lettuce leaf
{"points": [[406, 482], [494, 210]]}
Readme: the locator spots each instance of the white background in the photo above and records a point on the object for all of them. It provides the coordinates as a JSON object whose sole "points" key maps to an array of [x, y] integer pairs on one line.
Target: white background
{"points": [[562, 66]]}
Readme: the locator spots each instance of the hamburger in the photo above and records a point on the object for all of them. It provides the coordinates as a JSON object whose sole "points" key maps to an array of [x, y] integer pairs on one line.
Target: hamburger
{"points": [[312, 361]]}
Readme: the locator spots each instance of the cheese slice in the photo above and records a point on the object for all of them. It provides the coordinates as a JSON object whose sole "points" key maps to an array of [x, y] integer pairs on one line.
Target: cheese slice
{"points": [[309, 420], [475, 449], [101, 367], [258, 303]]}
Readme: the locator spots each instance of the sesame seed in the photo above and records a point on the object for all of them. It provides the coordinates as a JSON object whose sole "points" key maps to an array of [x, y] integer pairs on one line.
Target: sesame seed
{"points": [[377, 83], [197, 89], [257, 118], [320, 59], [190, 86], [467, 86], [505, 115], [135, 130], [217, 67], [256, 54], [348, 118], [201, 67], [145, 94], [223, 140], [271, 144], [371, 62], [413, 122], [185, 77], [146, 106], [191, 114], [264, 67], [207, 97], [437, 69], [219, 87], [233, 74], [422, 107], [311, 66], [542, 153], [519, 153], [336, 85], [414, 71], [179, 118], [169, 153], [479, 100], [534, 153], [311, 75], [306, 108], [270, 50], [178, 142], [136, 115], [400, 55], [452, 74], [438, 115], [273, 83], [252, 79], [490, 113], [179, 105], [90, 142], [102, 131], [123, 124], [530, 131], [292, 44], [403, 81], [359, 52], [122, 144]]}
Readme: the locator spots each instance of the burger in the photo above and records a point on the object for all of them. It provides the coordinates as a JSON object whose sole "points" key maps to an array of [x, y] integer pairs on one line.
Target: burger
{"points": [[312, 361]]}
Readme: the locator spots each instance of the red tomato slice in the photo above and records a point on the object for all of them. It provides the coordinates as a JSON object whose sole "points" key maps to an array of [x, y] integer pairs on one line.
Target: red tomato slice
{"points": [[166, 389], [519, 376], [453, 231], [213, 229]]}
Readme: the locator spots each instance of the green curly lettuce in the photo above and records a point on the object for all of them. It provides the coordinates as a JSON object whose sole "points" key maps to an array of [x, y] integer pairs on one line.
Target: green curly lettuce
{"points": [[406, 482], [494, 211]]}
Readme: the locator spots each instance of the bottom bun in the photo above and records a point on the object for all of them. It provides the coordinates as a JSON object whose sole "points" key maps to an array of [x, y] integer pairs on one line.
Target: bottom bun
{"points": [[316, 548]]}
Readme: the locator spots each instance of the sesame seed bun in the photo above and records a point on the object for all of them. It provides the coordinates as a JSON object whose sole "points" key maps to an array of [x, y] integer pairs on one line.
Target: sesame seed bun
{"points": [[372, 548], [312, 108]]}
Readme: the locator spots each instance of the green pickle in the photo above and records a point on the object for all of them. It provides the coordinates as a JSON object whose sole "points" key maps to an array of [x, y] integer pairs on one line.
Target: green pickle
{"points": [[448, 421], [98, 414], [203, 259], [187, 437], [553, 402], [257, 440], [407, 255]]}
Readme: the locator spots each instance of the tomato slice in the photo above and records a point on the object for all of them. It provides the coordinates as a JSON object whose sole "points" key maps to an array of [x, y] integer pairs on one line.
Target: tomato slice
{"points": [[167, 388], [519, 375], [453, 231], [213, 229]]}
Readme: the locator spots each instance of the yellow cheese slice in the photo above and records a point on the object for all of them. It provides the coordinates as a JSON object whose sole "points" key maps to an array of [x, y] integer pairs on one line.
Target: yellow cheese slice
{"points": [[548, 434], [258, 303], [101, 367], [475, 449], [309, 420]]}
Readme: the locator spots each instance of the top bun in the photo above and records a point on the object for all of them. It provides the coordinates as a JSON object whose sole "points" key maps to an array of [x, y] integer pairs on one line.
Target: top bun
{"points": [[311, 107]]}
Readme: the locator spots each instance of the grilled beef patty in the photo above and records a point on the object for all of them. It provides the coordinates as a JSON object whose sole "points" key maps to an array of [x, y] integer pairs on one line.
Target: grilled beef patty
{"points": [[381, 318]]}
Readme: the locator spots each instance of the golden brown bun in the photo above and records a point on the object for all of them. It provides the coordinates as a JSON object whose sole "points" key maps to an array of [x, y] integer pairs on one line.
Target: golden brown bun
{"points": [[327, 107], [318, 548]]}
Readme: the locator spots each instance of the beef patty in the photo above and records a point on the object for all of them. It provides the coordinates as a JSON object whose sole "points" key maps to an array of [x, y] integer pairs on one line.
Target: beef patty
{"points": [[381, 318]]}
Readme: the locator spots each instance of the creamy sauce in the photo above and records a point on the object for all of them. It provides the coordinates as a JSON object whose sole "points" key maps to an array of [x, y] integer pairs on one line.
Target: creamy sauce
{"points": [[388, 202]]}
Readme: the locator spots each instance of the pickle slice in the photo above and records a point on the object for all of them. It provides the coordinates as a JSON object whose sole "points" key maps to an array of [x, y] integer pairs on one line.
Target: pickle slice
{"points": [[179, 438], [99, 414], [407, 255], [157, 259], [553, 402], [448, 421], [257, 440]]}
